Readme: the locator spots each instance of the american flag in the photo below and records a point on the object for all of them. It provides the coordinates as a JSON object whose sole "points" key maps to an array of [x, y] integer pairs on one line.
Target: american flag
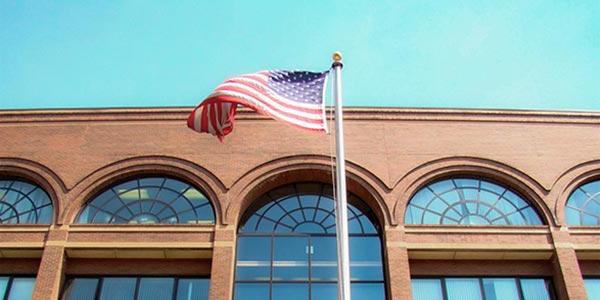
{"points": [[294, 97]]}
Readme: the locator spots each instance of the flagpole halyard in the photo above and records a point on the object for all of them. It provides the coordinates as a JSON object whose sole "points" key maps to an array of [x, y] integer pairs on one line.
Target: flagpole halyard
{"points": [[341, 207]]}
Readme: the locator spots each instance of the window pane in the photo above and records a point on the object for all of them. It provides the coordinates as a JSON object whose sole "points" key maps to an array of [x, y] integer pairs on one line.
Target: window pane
{"points": [[500, 289], [469, 202], [535, 289], [592, 286], [149, 201], [463, 289], [81, 289], [3, 285], [290, 258], [192, 289], [323, 291], [251, 291], [426, 289], [289, 291], [156, 288], [365, 258], [583, 205], [119, 288], [298, 253], [23, 203], [324, 258], [253, 258], [367, 291], [21, 288]]}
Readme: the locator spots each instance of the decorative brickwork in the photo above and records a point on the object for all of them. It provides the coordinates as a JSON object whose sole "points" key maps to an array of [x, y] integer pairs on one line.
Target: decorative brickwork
{"points": [[392, 153]]}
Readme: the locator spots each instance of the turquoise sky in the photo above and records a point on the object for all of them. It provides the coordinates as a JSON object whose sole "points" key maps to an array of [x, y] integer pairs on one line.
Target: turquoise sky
{"points": [[477, 54]]}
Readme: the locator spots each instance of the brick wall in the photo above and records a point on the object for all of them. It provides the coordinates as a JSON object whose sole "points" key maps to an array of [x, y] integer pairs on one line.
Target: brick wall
{"points": [[73, 154]]}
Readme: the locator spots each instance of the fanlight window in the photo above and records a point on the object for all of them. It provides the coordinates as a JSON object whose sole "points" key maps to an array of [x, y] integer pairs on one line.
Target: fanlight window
{"points": [[469, 201], [155, 200], [583, 206], [286, 247], [24, 203]]}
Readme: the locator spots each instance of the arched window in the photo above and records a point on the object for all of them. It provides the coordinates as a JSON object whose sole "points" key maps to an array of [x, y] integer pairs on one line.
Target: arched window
{"points": [[286, 247], [583, 206], [24, 203], [469, 201], [153, 200]]}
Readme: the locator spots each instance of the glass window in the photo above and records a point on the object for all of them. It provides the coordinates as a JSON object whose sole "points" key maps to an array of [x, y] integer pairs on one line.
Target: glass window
{"points": [[16, 288], [81, 289], [500, 288], [463, 289], [192, 289], [24, 203], [120, 288], [155, 200], [535, 289], [427, 289], [156, 288], [3, 286], [289, 291], [290, 258], [592, 286], [323, 291], [583, 205], [253, 258], [252, 291], [466, 288], [135, 288], [466, 201], [21, 288], [286, 247]]}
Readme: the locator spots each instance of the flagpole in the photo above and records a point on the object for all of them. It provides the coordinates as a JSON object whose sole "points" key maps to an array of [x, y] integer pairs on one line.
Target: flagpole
{"points": [[341, 207]]}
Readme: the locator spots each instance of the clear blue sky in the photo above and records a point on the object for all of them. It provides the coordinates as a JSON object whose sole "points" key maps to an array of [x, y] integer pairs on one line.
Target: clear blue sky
{"points": [[476, 54]]}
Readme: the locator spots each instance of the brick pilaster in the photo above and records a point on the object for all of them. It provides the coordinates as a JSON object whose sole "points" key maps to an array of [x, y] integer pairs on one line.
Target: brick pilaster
{"points": [[398, 281], [567, 275], [50, 274], [223, 262]]}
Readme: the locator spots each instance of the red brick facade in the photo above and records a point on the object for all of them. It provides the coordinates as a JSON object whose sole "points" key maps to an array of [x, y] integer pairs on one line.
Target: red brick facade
{"points": [[391, 153]]}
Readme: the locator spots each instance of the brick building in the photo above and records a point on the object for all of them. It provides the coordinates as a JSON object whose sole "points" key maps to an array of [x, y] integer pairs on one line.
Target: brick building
{"points": [[107, 203]]}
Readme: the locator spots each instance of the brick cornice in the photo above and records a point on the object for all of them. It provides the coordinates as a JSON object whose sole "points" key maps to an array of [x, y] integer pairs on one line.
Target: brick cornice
{"points": [[178, 114]]}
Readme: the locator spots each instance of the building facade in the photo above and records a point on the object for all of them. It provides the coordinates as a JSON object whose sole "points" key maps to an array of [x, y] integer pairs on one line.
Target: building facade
{"points": [[131, 203]]}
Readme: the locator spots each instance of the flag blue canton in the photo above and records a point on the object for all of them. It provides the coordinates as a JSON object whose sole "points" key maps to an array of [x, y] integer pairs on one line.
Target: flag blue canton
{"points": [[298, 86]]}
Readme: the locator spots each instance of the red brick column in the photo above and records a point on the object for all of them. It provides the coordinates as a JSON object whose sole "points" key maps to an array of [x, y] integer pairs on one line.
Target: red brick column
{"points": [[223, 262], [398, 281], [50, 274], [567, 275]]}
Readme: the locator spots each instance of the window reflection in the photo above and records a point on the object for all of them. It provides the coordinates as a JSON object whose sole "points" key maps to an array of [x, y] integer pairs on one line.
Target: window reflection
{"points": [[592, 287], [24, 203], [16, 288], [136, 288], [474, 288], [149, 201], [465, 201], [583, 205], [286, 247]]}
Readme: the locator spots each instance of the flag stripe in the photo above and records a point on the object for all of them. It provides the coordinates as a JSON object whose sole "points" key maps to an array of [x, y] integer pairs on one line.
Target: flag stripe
{"points": [[260, 84], [265, 111], [259, 105], [242, 89]]}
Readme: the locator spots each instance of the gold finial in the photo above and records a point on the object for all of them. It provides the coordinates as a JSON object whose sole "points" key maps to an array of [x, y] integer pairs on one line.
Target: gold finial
{"points": [[337, 56]]}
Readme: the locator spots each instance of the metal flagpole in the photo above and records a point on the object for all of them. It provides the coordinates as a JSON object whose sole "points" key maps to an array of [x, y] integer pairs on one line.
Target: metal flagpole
{"points": [[341, 207]]}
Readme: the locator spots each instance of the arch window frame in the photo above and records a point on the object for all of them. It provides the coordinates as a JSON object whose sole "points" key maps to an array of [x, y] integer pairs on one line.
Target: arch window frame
{"points": [[35, 211], [583, 211], [509, 208], [276, 245], [139, 211]]}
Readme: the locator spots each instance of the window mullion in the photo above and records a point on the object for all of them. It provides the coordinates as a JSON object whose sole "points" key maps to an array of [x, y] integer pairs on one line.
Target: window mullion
{"points": [[136, 291]]}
